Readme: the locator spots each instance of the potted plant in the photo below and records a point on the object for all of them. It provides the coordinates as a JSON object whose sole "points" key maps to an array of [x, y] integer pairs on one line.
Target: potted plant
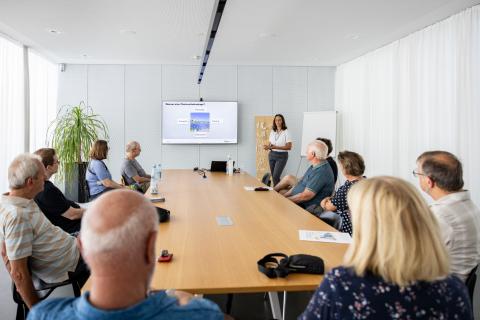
{"points": [[72, 133]]}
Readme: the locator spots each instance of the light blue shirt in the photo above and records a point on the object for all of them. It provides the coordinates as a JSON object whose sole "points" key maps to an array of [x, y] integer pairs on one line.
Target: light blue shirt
{"points": [[96, 172], [155, 306]]}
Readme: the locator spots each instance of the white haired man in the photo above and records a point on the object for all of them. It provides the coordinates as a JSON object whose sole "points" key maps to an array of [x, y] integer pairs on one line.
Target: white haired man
{"points": [[132, 172], [318, 181], [28, 239], [118, 239]]}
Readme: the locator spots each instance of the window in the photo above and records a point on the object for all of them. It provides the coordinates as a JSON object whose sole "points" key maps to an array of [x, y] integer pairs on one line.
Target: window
{"points": [[12, 105]]}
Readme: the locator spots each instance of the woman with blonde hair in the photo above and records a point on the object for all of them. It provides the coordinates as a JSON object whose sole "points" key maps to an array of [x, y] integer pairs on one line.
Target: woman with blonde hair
{"points": [[396, 266]]}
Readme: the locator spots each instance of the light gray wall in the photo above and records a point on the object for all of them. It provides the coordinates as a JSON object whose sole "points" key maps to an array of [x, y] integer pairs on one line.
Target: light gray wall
{"points": [[129, 98]]}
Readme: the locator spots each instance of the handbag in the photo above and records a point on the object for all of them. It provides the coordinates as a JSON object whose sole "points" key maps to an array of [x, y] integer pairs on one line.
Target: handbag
{"points": [[298, 263]]}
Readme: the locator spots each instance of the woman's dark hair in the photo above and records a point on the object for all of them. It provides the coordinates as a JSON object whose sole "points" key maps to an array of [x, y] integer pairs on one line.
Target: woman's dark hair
{"points": [[47, 155], [284, 126], [328, 143], [352, 163], [99, 150]]}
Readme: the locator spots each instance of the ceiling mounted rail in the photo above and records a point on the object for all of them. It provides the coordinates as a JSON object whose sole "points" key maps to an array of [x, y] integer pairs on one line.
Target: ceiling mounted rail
{"points": [[214, 23]]}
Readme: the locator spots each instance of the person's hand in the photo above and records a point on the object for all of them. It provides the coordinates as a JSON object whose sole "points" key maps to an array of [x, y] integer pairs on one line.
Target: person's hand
{"points": [[266, 147], [323, 203]]}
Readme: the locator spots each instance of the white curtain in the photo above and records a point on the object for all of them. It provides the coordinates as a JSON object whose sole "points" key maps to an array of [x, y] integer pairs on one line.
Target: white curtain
{"points": [[43, 86], [12, 111], [419, 93]]}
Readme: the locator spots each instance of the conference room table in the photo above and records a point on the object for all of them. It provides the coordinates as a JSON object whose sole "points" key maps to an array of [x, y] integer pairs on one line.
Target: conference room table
{"points": [[209, 258]]}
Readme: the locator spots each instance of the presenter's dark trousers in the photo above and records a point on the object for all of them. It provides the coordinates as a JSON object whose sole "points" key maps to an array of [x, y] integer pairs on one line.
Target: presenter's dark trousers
{"points": [[277, 161]]}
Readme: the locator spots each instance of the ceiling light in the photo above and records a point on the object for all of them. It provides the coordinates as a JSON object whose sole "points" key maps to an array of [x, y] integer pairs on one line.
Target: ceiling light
{"points": [[266, 35], [84, 56], [196, 57], [54, 31], [353, 36], [128, 32]]}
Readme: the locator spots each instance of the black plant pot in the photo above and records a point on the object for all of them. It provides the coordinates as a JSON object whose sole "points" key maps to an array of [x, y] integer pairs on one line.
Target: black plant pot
{"points": [[82, 183], [76, 188]]}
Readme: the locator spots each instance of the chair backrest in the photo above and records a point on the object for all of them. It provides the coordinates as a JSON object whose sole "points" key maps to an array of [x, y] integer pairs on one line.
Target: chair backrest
{"points": [[45, 288], [471, 281], [124, 180]]}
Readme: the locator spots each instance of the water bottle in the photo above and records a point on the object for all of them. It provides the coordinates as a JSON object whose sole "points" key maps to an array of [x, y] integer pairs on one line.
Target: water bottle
{"points": [[154, 180], [159, 172], [229, 166]]}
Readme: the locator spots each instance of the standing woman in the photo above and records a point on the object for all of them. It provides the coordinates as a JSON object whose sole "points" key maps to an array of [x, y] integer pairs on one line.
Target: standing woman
{"points": [[98, 176], [279, 144]]}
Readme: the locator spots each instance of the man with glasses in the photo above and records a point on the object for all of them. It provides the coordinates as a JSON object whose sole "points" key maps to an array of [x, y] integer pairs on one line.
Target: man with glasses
{"points": [[57, 208], [440, 175]]}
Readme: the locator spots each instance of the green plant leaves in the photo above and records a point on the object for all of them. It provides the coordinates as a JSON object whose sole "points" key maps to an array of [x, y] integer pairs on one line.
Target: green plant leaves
{"points": [[72, 133]]}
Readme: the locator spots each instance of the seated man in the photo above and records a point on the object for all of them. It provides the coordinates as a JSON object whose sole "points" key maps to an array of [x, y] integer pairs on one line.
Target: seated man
{"points": [[288, 181], [131, 171], [28, 239], [317, 183], [118, 240], [59, 210], [440, 175]]}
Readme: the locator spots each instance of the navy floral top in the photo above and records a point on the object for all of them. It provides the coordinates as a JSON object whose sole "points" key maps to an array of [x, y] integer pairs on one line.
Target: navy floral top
{"points": [[344, 295], [339, 200]]}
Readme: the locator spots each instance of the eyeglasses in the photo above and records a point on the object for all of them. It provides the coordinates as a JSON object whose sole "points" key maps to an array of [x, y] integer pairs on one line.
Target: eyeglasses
{"points": [[416, 174]]}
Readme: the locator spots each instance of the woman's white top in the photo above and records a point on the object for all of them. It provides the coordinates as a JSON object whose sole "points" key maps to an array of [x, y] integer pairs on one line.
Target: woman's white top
{"points": [[280, 138]]}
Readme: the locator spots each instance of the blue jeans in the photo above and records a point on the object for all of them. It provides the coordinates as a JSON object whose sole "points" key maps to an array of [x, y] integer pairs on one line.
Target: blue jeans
{"points": [[277, 161]]}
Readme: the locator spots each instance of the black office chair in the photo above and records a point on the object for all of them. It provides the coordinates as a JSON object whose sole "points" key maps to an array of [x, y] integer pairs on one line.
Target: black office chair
{"points": [[471, 281], [43, 290]]}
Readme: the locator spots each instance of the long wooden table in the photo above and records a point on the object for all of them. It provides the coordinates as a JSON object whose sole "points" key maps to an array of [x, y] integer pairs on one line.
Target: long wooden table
{"points": [[208, 258]]}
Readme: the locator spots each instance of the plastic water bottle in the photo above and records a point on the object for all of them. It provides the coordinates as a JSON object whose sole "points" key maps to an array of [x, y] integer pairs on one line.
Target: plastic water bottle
{"points": [[159, 172], [154, 180], [229, 166]]}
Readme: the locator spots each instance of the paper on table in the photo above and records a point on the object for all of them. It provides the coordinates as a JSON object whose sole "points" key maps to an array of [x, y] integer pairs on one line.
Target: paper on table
{"points": [[324, 236], [250, 188], [224, 221]]}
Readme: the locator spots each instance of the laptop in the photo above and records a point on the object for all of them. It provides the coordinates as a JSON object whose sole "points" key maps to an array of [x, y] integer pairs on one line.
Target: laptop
{"points": [[219, 166]]}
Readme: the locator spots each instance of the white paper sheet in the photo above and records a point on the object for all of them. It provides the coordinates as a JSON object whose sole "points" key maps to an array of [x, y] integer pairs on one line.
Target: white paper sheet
{"points": [[324, 236]]}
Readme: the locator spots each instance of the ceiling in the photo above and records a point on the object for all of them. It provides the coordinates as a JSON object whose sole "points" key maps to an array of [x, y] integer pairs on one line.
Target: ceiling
{"points": [[251, 32]]}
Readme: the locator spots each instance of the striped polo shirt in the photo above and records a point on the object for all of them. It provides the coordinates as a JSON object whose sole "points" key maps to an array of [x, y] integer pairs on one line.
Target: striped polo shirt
{"points": [[28, 233]]}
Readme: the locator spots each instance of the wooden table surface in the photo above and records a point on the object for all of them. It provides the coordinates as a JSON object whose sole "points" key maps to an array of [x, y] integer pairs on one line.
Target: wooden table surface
{"points": [[208, 258]]}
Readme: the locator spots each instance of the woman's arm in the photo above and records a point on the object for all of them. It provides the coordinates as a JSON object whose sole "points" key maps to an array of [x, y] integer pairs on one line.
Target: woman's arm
{"points": [[288, 146], [109, 183], [139, 179], [74, 213]]}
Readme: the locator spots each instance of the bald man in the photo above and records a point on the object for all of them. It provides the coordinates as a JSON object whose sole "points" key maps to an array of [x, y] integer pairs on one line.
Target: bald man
{"points": [[440, 175], [117, 241]]}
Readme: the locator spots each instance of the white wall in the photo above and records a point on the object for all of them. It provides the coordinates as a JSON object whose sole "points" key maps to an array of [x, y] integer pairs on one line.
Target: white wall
{"points": [[129, 98]]}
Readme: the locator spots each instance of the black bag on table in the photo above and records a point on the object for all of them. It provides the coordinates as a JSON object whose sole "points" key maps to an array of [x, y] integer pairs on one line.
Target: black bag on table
{"points": [[298, 263]]}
